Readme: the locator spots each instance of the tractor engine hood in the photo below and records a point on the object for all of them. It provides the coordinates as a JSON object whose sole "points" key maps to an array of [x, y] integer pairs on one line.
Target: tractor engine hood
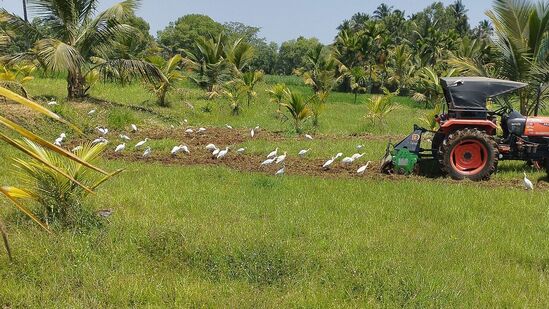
{"points": [[537, 126]]}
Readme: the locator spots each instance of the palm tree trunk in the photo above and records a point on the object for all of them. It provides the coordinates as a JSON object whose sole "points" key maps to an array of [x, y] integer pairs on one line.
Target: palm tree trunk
{"points": [[75, 85]]}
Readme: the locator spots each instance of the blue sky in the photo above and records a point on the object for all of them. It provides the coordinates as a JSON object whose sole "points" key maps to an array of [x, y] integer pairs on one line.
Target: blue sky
{"points": [[279, 20]]}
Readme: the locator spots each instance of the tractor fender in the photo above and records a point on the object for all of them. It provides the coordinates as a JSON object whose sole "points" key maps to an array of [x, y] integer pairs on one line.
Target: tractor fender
{"points": [[452, 125]]}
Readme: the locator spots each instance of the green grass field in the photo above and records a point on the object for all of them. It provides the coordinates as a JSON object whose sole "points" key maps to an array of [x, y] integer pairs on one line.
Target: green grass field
{"points": [[207, 236]]}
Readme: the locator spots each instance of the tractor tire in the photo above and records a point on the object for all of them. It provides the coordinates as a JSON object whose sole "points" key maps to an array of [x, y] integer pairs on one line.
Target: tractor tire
{"points": [[469, 154]]}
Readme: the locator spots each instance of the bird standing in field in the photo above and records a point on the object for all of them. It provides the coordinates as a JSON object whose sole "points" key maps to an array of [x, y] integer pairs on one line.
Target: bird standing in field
{"points": [[185, 149], [273, 153], [363, 168], [175, 150], [77, 148], [147, 152], [211, 147], [141, 143], [91, 112], [100, 140], [228, 126], [124, 137], [281, 171], [252, 133], [347, 160], [240, 150], [103, 131], [357, 156], [215, 152], [223, 153], [359, 147], [268, 161], [201, 130], [189, 131], [58, 141], [120, 147], [309, 137], [304, 152], [327, 164], [281, 158], [134, 128], [527, 183], [52, 103]]}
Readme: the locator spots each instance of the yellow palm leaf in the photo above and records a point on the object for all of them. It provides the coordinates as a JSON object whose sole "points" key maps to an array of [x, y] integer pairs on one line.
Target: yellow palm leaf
{"points": [[13, 194]]}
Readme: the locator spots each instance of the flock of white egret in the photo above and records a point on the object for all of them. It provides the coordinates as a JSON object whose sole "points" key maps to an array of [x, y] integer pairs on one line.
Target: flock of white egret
{"points": [[273, 158], [218, 153]]}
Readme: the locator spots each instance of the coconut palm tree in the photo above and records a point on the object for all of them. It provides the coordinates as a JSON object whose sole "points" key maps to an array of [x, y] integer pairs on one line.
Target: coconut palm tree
{"points": [[38, 153], [521, 36], [78, 35], [209, 65], [297, 107], [171, 75], [249, 81]]}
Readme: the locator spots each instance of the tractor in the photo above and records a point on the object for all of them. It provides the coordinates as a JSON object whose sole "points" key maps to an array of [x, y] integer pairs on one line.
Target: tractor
{"points": [[467, 144]]}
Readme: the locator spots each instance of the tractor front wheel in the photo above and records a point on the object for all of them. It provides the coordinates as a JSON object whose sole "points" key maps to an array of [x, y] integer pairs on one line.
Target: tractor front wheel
{"points": [[469, 154]]}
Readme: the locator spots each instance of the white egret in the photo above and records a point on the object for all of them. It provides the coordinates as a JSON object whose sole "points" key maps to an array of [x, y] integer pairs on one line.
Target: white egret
{"points": [[77, 148], [339, 154], [309, 137], [120, 147], [328, 163], [273, 153], [211, 147], [359, 147], [134, 128], [280, 172], [527, 183], [281, 158], [201, 130], [303, 152], [52, 103], [363, 168], [185, 149], [60, 139], [147, 152], [175, 150], [124, 137], [100, 140], [240, 150], [228, 126], [268, 161], [91, 112], [141, 143], [189, 131], [252, 133], [185, 121], [103, 131], [357, 156], [223, 153], [215, 152], [347, 160]]}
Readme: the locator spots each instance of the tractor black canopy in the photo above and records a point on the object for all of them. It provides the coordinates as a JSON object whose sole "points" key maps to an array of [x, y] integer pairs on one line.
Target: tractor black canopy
{"points": [[471, 93]]}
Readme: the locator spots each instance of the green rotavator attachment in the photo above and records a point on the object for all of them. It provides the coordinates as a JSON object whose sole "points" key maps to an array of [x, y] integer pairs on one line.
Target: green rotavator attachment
{"points": [[404, 161], [404, 156]]}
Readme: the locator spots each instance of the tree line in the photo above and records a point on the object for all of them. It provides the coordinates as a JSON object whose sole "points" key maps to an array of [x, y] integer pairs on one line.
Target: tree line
{"points": [[382, 51]]}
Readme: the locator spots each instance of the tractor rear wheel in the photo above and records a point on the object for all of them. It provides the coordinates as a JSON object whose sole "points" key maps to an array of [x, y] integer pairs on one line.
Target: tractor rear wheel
{"points": [[469, 154]]}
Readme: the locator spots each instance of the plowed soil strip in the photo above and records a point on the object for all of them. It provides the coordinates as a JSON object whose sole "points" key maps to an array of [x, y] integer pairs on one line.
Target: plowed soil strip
{"points": [[298, 166], [223, 136]]}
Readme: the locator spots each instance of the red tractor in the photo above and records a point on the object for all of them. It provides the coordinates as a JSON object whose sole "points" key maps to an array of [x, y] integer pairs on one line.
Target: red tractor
{"points": [[466, 145]]}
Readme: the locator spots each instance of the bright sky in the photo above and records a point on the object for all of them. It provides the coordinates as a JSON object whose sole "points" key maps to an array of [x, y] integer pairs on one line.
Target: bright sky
{"points": [[279, 20]]}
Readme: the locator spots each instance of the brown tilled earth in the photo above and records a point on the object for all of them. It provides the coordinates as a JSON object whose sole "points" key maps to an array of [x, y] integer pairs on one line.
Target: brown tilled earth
{"points": [[293, 165]]}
